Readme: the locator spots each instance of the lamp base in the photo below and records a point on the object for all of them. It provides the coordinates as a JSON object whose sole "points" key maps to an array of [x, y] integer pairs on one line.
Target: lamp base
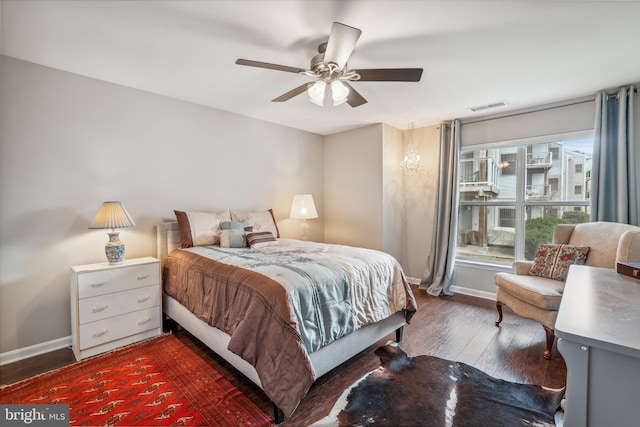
{"points": [[114, 249], [304, 226]]}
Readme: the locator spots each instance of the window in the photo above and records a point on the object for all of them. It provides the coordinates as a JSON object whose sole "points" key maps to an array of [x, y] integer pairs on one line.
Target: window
{"points": [[524, 192], [579, 168], [507, 217], [508, 163]]}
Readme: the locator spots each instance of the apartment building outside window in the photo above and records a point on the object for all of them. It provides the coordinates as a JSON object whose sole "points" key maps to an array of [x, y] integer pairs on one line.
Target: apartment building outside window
{"points": [[511, 197]]}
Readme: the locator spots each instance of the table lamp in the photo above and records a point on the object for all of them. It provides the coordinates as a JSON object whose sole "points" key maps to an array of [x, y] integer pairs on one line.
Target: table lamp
{"points": [[112, 215], [303, 208]]}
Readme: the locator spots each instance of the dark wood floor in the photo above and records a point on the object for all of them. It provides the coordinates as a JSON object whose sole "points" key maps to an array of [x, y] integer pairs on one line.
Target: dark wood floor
{"points": [[459, 328]]}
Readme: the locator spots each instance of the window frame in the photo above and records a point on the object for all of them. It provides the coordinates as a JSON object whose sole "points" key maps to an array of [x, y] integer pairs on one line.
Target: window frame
{"points": [[520, 203]]}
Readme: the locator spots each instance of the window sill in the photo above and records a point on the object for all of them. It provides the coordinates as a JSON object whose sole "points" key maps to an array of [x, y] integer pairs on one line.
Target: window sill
{"points": [[480, 265]]}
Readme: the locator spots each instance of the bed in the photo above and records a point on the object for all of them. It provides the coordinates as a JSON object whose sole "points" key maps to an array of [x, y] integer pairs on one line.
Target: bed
{"points": [[248, 305]]}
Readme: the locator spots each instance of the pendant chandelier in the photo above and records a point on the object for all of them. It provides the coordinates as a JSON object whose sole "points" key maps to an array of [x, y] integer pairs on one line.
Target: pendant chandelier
{"points": [[411, 161]]}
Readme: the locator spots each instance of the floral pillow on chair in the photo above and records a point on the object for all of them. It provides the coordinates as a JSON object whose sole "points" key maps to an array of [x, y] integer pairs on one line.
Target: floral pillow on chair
{"points": [[553, 260]]}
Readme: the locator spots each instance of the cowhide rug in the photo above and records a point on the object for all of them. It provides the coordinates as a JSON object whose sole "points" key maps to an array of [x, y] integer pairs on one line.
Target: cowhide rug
{"points": [[428, 391]]}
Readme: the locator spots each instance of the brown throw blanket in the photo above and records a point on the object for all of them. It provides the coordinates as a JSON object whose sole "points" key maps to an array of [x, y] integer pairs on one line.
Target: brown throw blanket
{"points": [[253, 310], [428, 391]]}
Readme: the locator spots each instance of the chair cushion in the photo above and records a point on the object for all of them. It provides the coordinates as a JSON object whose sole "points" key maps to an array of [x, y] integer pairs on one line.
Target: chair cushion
{"points": [[553, 260], [539, 291]]}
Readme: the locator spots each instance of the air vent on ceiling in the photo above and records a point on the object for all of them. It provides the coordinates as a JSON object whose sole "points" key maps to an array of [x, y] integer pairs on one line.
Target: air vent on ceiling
{"points": [[489, 106]]}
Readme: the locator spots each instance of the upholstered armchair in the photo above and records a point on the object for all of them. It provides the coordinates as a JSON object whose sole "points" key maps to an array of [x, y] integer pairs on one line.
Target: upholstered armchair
{"points": [[537, 297]]}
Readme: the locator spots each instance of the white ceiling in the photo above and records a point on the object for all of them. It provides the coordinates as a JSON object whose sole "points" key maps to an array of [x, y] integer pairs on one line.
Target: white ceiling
{"points": [[473, 52]]}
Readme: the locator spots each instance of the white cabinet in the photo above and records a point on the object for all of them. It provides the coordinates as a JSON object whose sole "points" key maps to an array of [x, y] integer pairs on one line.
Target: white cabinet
{"points": [[114, 305]]}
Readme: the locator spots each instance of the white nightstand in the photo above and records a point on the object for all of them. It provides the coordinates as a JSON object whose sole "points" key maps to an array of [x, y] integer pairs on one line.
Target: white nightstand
{"points": [[114, 305]]}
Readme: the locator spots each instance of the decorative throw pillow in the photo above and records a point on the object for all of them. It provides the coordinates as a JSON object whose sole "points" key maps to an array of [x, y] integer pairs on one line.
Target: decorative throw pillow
{"points": [[553, 260], [230, 225], [200, 228], [260, 221], [260, 239], [233, 238]]}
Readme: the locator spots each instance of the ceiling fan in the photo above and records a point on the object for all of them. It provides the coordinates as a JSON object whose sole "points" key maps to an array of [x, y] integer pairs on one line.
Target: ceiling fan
{"points": [[329, 68]]}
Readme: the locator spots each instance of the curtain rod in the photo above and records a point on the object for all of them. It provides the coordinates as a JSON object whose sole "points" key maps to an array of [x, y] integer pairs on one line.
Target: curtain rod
{"points": [[615, 91]]}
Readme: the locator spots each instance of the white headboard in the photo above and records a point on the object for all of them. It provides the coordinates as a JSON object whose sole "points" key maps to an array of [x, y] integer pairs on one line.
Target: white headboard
{"points": [[168, 238]]}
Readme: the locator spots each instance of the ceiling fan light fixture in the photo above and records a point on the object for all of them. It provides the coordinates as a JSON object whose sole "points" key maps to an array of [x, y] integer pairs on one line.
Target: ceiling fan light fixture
{"points": [[316, 92], [329, 66], [339, 92]]}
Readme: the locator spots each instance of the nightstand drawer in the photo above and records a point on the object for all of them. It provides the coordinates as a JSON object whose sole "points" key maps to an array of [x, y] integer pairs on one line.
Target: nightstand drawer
{"points": [[117, 279], [113, 328], [104, 306]]}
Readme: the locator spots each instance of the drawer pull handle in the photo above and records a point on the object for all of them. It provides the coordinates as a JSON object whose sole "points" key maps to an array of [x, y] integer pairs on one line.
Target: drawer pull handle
{"points": [[97, 285], [143, 276], [143, 299], [143, 321], [98, 334], [99, 308]]}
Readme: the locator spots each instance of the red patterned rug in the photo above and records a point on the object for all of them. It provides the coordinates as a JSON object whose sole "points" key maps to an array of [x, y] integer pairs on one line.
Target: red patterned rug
{"points": [[158, 382]]}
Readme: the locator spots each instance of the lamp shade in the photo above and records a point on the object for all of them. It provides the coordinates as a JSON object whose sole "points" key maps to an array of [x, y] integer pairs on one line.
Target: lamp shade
{"points": [[112, 215], [303, 207], [316, 92], [339, 92]]}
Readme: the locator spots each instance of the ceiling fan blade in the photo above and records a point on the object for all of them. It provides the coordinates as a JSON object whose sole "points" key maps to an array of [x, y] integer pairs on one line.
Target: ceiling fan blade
{"points": [[354, 98], [390, 75], [294, 92], [270, 66], [342, 41]]}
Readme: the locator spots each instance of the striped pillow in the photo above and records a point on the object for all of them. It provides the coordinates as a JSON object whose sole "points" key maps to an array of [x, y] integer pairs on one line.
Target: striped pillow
{"points": [[260, 239]]}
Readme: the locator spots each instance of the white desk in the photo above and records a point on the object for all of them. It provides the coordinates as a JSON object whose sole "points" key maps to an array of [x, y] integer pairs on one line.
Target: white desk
{"points": [[599, 329]]}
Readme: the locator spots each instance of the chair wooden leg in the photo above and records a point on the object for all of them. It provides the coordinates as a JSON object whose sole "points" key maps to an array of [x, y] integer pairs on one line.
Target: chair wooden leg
{"points": [[499, 308], [551, 336]]}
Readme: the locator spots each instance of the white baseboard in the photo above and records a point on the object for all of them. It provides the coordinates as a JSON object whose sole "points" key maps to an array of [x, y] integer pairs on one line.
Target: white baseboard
{"points": [[413, 280], [461, 290], [474, 292], [34, 350]]}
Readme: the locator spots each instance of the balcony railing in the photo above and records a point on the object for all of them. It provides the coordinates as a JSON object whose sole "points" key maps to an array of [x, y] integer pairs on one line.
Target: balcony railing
{"points": [[478, 172], [539, 192], [539, 160]]}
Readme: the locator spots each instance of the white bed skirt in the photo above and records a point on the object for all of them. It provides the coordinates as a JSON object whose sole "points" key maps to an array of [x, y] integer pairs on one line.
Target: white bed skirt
{"points": [[323, 360]]}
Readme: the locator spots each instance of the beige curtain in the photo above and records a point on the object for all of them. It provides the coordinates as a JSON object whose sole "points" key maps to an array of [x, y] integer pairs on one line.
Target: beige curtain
{"points": [[438, 274]]}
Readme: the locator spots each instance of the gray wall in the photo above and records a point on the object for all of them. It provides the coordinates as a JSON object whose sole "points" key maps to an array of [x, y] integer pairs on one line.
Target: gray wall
{"points": [[371, 201], [68, 143], [419, 199], [353, 182]]}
